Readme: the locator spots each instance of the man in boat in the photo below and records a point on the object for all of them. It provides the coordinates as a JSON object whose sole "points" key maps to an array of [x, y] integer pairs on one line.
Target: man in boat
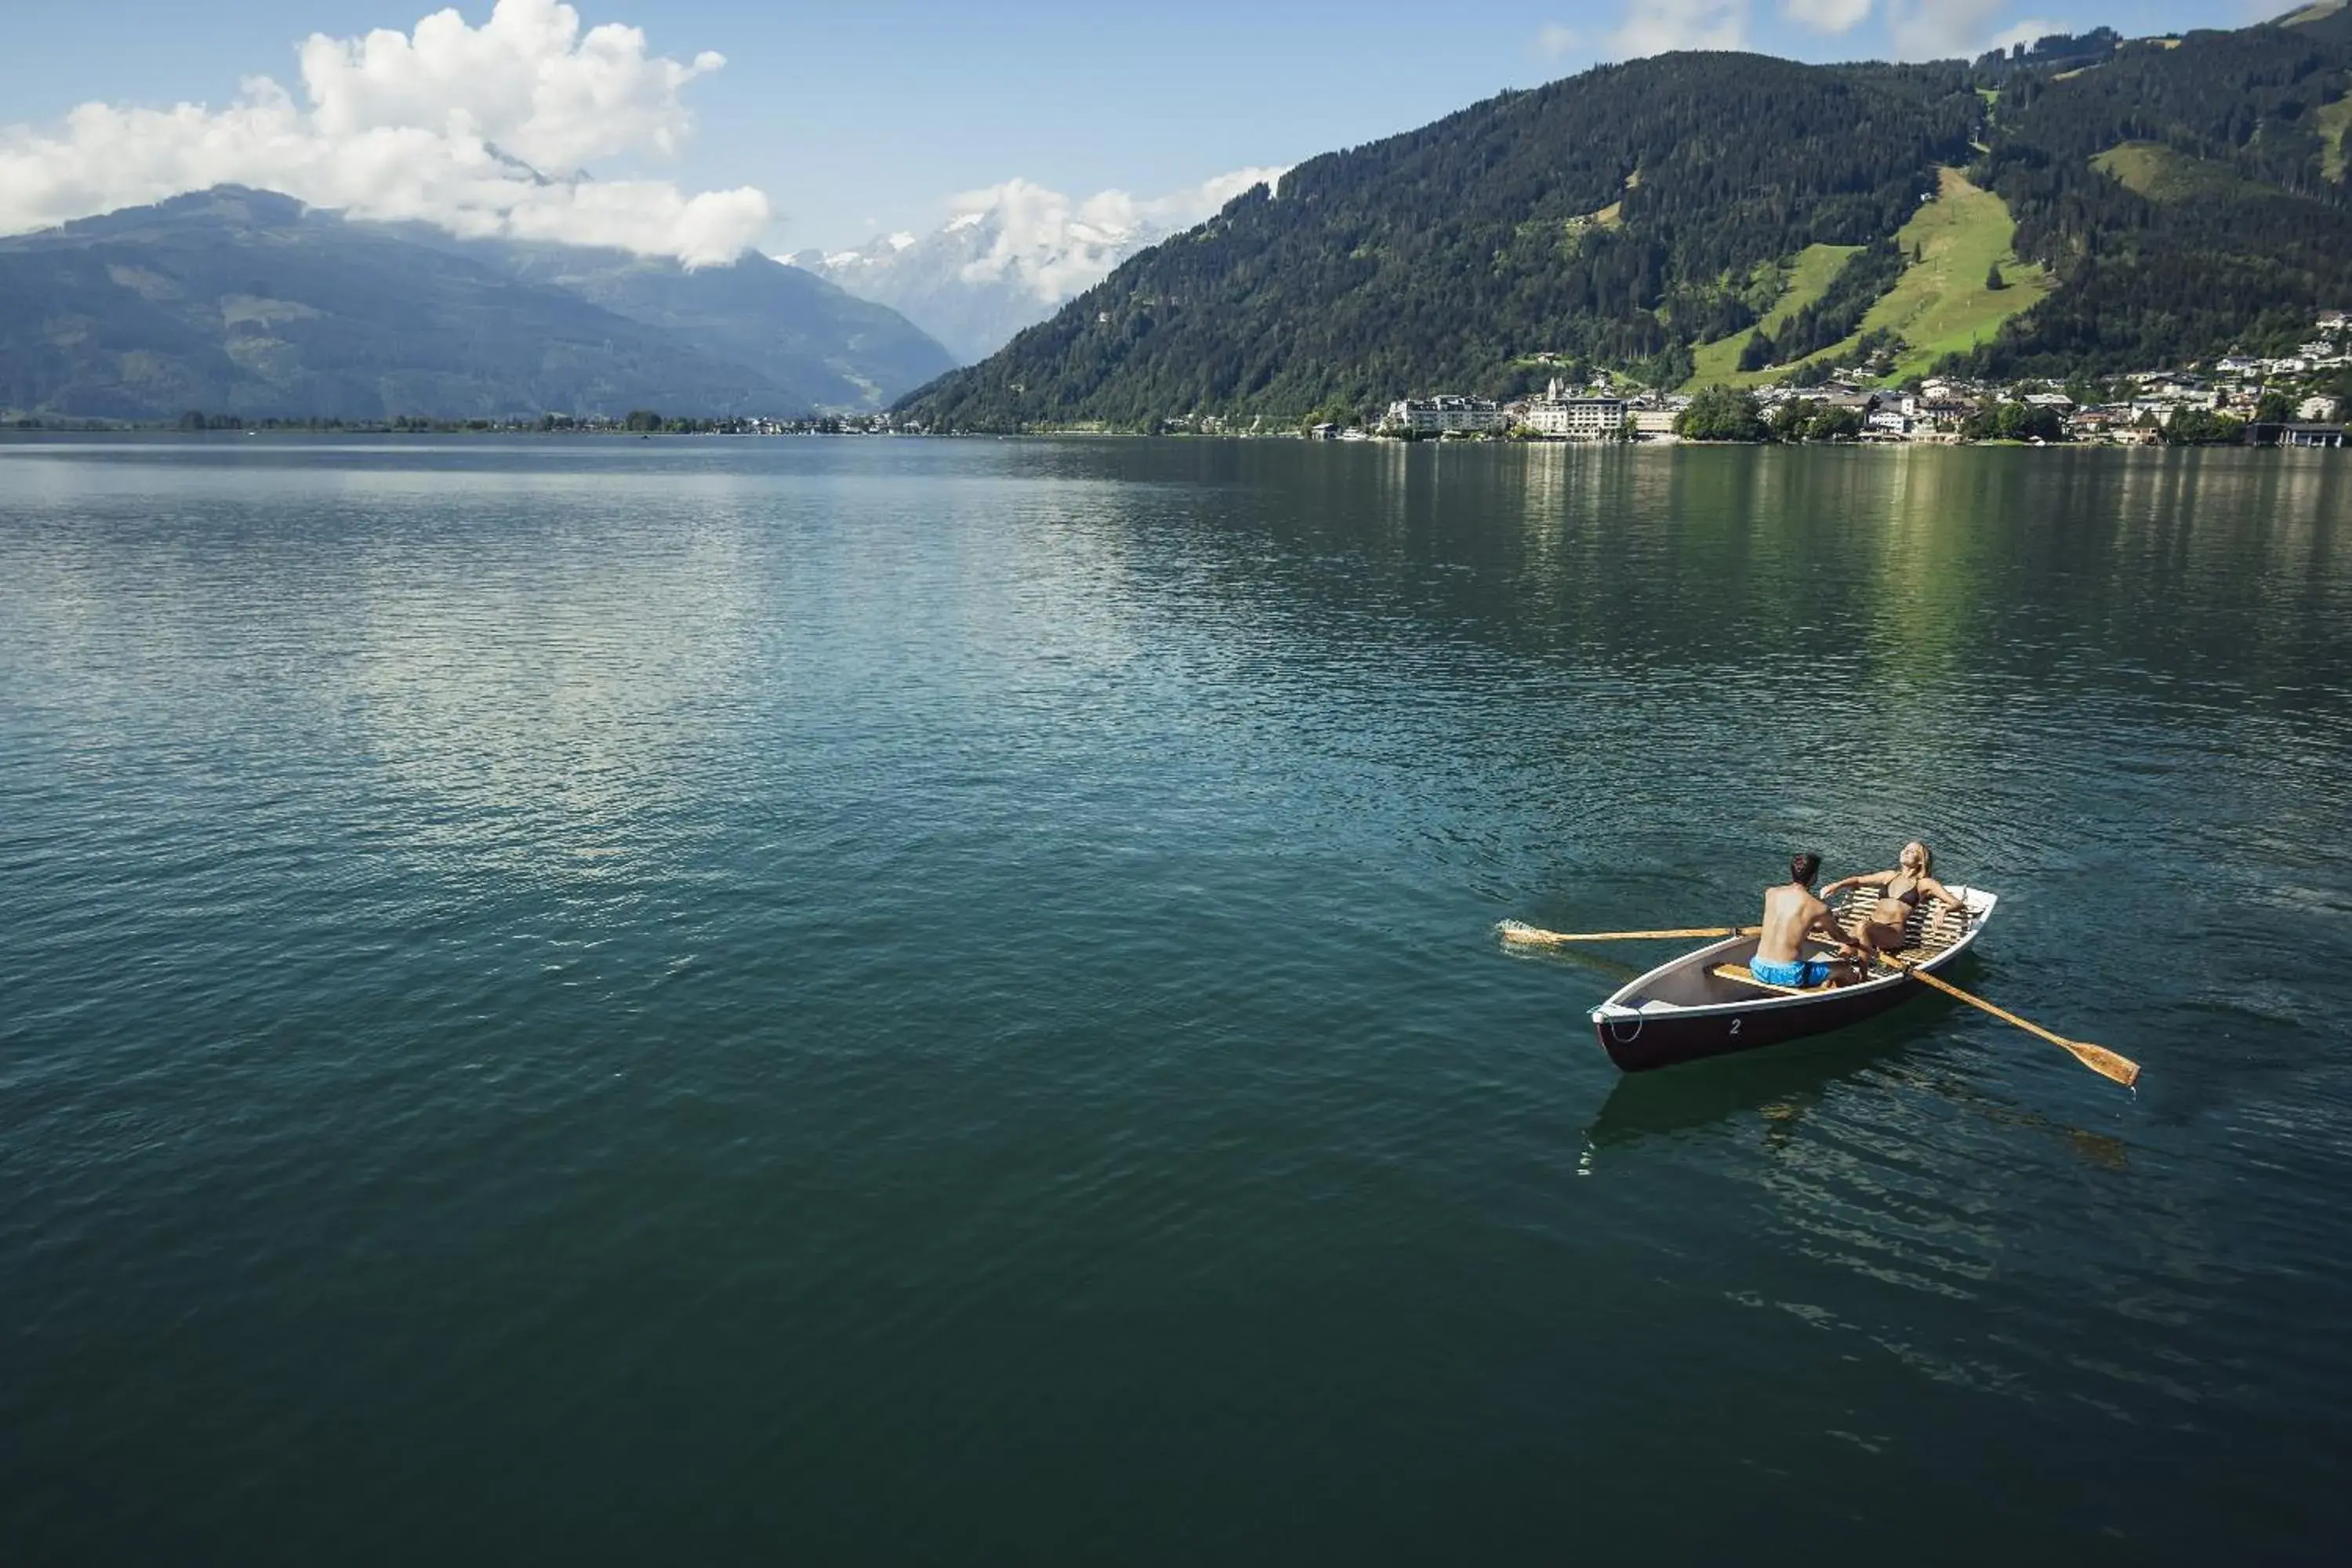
{"points": [[1792, 917]]}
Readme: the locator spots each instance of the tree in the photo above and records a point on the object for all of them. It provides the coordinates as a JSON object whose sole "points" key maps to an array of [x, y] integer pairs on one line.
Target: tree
{"points": [[1722, 413], [1788, 420], [2030, 422], [1838, 422], [1993, 280], [2275, 407], [2203, 428], [2015, 422], [642, 419]]}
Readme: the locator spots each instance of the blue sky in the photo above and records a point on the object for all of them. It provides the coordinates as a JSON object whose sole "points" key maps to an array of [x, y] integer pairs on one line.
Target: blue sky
{"points": [[852, 117]]}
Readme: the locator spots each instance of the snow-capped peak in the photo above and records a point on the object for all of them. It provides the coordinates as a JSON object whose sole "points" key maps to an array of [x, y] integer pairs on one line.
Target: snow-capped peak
{"points": [[1008, 255]]}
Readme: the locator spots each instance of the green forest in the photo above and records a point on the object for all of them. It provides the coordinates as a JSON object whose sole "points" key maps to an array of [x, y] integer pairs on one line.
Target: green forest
{"points": [[1622, 217]]}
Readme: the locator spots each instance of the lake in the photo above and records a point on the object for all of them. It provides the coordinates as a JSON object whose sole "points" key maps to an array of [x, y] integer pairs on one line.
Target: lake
{"points": [[868, 1000]]}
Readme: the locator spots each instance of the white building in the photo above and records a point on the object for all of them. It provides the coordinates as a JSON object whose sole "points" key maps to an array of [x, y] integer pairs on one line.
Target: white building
{"points": [[1443, 415], [2320, 410], [1579, 418]]}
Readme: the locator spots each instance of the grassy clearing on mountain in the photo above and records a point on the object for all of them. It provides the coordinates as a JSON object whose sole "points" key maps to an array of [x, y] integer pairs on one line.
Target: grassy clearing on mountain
{"points": [[1941, 304], [2163, 174], [1809, 278], [2333, 122]]}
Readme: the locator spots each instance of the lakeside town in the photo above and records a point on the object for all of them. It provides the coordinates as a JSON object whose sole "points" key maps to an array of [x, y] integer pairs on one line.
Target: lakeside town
{"points": [[2296, 400], [2301, 399]]}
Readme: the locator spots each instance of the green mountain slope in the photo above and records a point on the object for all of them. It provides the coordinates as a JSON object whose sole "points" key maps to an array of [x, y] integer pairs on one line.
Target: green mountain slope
{"points": [[1634, 215], [1615, 216], [1940, 303], [2183, 196], [243, 301], [2330, 19], [1802, 282]]}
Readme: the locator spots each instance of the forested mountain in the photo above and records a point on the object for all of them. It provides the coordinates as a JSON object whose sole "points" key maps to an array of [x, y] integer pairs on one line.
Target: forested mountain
{"points": [[243, 301], [1629, 216], [2188, 198]]}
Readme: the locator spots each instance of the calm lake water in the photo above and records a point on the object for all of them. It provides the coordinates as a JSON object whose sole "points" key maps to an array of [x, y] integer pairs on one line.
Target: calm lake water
{"points": [[862, 1001]]}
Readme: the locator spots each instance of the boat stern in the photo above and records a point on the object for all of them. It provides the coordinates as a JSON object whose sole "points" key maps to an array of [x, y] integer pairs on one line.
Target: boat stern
{"points": [[1619, 1029]]}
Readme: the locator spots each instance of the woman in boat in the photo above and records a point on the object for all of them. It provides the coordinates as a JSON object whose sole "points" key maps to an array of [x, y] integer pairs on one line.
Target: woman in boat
{"points": [[1900, 892]]}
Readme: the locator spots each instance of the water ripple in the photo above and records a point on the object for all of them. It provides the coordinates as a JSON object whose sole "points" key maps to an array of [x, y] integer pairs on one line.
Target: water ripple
{"points": [[898, 1000]]}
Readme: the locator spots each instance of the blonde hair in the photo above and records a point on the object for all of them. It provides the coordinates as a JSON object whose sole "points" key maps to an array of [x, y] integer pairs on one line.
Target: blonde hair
{"points": [[1926, 858]]}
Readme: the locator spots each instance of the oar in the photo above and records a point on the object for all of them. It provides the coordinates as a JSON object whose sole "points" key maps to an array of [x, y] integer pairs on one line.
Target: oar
{"points": [[2099, 1058], [1514, 931]]}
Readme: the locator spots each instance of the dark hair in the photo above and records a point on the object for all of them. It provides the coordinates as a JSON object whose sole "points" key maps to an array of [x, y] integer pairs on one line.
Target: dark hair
{"points": [[1805, 868]]}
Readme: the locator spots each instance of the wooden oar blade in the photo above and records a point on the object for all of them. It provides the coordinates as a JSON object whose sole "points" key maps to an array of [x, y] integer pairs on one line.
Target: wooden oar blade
{"points": [[2104, 1062], [2099, 1058], [1513, 930]]}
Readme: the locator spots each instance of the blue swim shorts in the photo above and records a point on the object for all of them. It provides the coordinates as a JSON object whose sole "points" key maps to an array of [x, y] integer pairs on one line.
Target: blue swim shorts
{"points": [[1796, 972]]}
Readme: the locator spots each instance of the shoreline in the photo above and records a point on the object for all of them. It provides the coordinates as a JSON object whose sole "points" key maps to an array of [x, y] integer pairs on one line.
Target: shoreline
{"points": [[23, 434]]}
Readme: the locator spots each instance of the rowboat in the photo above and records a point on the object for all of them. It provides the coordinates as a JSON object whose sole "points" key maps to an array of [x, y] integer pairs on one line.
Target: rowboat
{"points": [[1705, 1004]]}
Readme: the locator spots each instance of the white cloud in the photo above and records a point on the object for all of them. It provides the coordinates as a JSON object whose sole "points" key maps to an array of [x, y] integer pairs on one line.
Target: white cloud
{"points": [[1655, 27], [2029, 32], [1055, 247], [482, 130], [1943, 29], [1828, 15], [1554, 41]]}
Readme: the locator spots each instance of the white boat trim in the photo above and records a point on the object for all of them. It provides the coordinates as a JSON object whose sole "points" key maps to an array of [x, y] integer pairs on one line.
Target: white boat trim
{"points": [[1980, 905]]}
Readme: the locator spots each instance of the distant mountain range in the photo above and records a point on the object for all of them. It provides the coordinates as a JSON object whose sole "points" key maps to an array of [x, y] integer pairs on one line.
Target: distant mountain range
{"points": [[1010, 255], [235, 300], [2091, 203]]}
